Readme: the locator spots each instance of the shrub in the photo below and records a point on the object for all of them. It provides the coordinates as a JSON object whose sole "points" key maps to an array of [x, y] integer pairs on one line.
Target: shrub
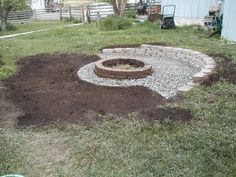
{"points": [[114, 23], [130, 13], [11, 27], [77, 20], [73, 19]]}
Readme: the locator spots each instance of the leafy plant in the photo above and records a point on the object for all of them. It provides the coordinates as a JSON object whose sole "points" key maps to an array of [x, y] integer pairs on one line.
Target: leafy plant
{"points": [[130, 13], [73, 19], [114, 23], [11, 27]]}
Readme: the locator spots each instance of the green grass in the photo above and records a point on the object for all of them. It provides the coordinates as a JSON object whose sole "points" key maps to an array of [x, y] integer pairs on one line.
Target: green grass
{"points": [[31, 26], [88, 39], [126, 146], [9, 159]]}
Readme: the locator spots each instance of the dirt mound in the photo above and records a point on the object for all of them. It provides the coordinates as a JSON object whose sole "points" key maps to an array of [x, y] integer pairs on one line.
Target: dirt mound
{"points": [[225, 69], [47, 90], [160, 114]]}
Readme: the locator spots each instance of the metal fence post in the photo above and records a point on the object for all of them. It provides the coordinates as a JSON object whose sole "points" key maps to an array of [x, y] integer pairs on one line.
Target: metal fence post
{"points": [[82, 14], [35, 16], [60, 14], [70, 16]]}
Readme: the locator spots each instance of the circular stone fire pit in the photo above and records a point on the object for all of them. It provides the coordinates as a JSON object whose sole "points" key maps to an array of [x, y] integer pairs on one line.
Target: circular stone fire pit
{"points": [[171, 71], [122, 68]]}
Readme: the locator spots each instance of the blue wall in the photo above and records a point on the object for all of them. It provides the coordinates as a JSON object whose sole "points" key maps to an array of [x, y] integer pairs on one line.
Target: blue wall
{"points": [[192, 9], [229, 20]]}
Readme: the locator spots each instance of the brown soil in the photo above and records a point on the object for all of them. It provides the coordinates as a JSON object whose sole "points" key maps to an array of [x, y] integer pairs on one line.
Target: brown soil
{"points": [[225, 69], [160, 114], [47, 90]]}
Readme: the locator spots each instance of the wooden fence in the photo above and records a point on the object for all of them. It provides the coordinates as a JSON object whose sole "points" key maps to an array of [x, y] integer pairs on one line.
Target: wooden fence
{"points": [[80, 13], [46, 14]]}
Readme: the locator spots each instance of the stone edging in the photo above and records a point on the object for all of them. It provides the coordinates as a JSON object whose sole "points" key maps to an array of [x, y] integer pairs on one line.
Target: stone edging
{"points": [[112, 73], [194, 58]]}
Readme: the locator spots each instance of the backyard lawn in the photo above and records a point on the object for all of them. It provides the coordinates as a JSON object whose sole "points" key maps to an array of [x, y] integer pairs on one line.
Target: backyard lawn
{"points": [[121, 145], [38, 25]]}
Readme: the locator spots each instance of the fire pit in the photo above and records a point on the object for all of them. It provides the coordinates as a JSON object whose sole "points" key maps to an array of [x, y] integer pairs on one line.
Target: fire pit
{"points": [[122, 69], [169, 70]]}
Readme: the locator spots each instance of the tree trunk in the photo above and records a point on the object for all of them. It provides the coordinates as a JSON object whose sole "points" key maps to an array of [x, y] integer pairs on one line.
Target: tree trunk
{"points": [[115, 7], [122, 7], [3, 24], [4, 16], [119, 7]]}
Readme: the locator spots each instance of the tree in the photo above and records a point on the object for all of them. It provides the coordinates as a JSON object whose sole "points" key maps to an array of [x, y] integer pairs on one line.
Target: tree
{"points": [[6, 6], [119, 7]]}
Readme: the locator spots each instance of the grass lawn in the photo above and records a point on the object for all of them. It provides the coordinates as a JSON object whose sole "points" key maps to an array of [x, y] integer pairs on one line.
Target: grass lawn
{"points": [[125, 146], [31, 26]]}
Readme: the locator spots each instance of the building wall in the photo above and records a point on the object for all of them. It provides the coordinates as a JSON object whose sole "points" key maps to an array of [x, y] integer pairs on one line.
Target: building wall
{"points": [[190, 11], [229, 22], [38, 4]]}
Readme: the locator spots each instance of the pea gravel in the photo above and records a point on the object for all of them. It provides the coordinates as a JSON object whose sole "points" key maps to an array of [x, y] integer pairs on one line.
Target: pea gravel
{"points": [[169, 74]]}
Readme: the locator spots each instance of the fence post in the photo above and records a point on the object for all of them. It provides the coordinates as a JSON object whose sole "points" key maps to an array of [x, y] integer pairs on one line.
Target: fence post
{"points": [[35, 16], [82, 13], [70, 16], [60, 14]]}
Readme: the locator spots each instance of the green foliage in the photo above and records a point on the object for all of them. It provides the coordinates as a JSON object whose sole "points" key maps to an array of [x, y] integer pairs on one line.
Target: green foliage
{"points": [[130, 13], [113, 23], [11, 27], [73, 20], [13, 4], [6, 6], [77, 20]]}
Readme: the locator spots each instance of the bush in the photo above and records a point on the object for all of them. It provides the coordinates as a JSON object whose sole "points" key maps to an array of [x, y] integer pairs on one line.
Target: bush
{"points": [[130, 13], [11, 27], [73, 19], [77, 20], [114, 23]]}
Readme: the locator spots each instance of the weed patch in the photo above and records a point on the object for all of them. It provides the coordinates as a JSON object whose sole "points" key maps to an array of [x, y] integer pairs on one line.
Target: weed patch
{"points": [[113, 23], [1, 61]]}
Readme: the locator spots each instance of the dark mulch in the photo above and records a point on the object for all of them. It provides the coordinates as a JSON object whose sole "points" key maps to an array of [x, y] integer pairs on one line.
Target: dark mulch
{"points": [[47, 90]]}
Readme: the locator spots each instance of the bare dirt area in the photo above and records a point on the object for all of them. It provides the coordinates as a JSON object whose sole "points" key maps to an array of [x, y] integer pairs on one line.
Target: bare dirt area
{"points": [[8, 110], [47, 89], [225, 69]]}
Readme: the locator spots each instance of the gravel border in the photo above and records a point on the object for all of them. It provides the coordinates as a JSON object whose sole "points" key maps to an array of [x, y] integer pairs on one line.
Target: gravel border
{"points": [[176, 70]]}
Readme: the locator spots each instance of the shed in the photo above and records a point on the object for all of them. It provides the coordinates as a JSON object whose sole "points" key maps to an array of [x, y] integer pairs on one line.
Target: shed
{"points": [[37, 4], [229, 22], [190, 11]]}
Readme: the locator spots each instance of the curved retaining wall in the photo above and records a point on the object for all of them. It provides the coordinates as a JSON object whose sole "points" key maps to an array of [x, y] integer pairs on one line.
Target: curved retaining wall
{"points": [[175, 70], [193, 58]]}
